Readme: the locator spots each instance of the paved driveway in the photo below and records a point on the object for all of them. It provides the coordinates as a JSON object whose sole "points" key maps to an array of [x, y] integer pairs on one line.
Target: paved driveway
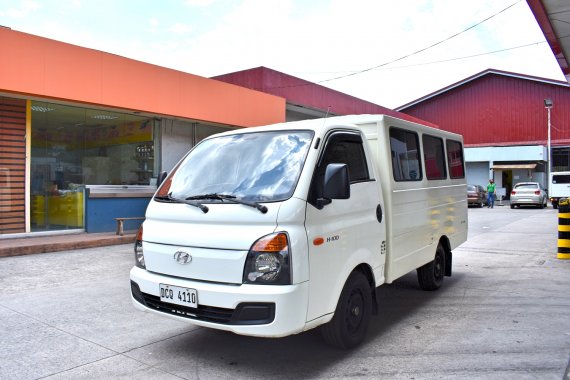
{"points": [[504, 314]]}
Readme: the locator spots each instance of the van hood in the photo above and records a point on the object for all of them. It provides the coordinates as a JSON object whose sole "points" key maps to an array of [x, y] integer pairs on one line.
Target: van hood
{"points": [[217, 241], [224, 226]]}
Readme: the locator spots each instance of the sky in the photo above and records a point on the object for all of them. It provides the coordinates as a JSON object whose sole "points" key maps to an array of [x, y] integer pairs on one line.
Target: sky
{"points": [[387, 52]]}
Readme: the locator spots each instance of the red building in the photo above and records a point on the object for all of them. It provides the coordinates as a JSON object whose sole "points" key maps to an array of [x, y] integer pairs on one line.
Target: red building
{"points": [[306, 99], [505, 124]]}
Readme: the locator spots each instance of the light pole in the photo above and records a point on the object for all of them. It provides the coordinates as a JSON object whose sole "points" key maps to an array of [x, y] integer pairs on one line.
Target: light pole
{"points": [[548, 106]]}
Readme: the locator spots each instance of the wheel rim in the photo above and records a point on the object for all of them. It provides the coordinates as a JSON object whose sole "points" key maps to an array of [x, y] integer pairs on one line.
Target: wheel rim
{"points": [[354, 311], [438, 266]]}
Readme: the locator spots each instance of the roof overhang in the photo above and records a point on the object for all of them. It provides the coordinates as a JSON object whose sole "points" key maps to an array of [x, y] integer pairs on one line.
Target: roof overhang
{"points": [[553, 17], [513, 166]]}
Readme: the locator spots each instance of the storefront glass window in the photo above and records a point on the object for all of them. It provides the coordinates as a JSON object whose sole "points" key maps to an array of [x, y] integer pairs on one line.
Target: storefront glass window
{"points": [[73, 147]]}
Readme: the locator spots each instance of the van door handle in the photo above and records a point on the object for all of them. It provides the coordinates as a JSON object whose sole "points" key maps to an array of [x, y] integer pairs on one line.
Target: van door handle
{"points": [[379, 213]]}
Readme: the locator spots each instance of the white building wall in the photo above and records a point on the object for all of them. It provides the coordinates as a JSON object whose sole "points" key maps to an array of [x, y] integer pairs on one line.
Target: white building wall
{"points": [[477, 173], [479, 162]]}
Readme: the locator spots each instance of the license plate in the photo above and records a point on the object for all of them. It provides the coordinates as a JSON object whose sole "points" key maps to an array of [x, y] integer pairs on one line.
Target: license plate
{"points": [[179, 296]]}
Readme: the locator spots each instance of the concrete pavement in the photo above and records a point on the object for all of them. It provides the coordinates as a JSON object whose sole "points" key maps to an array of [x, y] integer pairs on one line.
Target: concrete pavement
{"points": [[504, 314]]}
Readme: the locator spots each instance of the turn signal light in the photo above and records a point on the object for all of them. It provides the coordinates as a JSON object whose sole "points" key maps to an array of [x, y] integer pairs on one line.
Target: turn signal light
{"points": [[271, 243]]}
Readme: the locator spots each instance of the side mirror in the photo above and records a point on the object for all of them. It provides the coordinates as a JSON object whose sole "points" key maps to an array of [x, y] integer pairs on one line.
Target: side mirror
{"points": [[161, 177], [336, 184]]}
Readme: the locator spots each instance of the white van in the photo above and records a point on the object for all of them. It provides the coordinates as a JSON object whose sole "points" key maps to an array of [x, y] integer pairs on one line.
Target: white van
{"points": [[559, 187], [271, 231]]}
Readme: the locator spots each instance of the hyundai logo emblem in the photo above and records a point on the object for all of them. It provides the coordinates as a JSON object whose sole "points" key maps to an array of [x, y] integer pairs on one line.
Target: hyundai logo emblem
{"points": [[182, 257]]}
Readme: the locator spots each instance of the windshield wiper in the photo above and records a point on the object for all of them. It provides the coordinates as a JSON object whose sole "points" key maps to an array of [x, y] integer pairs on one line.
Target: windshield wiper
{"points": [[170, 198], [230, 198]]}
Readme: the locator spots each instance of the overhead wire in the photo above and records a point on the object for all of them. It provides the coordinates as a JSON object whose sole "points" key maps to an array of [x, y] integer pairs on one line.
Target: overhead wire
{"points": [[358, 72], [444, 60], [423, 49]]}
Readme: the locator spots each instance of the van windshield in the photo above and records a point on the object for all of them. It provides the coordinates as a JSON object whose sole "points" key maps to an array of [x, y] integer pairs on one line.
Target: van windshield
{"points": [[258, 167]]}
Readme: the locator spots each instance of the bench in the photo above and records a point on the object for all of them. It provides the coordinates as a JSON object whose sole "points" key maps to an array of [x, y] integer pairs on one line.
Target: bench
{"points": [[121, 223]]}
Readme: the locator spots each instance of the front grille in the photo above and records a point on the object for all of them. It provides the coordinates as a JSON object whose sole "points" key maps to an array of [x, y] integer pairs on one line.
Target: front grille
{"points": [[202, 313]]}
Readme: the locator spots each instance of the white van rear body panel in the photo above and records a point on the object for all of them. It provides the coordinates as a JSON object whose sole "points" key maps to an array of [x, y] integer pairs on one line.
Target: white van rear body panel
{"points": [[420, 217], [419, 213], [561, 188]]}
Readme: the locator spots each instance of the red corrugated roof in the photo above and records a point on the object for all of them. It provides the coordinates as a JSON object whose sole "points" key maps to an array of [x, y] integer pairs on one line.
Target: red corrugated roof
{"points": [[303, 93], [477, 76], [498, 108]]}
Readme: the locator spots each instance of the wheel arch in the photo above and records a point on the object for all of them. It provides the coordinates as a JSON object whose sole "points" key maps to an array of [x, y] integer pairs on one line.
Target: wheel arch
{"points": [[367, 271]]}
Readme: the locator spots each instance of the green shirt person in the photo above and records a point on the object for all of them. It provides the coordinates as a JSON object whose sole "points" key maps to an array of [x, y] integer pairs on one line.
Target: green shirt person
{"points": [[491, 186]]}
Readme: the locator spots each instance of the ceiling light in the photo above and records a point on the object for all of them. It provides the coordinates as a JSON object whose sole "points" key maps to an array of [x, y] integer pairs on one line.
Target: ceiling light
{"points": [[104, 117], [41, 109]]}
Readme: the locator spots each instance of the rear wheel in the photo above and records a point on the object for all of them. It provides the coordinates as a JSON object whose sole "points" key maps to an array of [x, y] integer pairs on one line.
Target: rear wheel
{"points": [[351, 318], [430, 276]]}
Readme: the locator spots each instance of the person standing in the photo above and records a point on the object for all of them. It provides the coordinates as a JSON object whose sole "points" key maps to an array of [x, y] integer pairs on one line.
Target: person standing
{"points": [[491, 188]]}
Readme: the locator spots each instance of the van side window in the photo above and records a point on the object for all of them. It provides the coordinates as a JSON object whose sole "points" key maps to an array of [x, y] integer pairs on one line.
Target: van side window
{"points": [[455, 159], [341, 148], [434, 157], [560, 178], [405, 155]]}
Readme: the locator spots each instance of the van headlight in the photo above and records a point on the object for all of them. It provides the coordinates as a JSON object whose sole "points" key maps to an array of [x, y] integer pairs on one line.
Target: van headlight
{"points": [[139, 256], [269, 261]]}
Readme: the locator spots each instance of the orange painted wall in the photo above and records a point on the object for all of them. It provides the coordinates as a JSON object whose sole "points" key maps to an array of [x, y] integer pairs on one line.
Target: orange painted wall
{"points": [[38, 66]]}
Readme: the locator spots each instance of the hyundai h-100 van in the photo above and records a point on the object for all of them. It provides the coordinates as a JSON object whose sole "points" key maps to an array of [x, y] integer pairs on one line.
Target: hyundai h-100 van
{"points": [[275, 230]]}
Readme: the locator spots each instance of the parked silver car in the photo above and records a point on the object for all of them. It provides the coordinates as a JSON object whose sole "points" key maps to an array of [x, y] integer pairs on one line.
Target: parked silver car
{"points": [[528, 193]]}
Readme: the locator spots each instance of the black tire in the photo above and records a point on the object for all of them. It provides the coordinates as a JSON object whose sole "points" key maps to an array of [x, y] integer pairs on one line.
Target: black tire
{"points": [[430, 276], [512, 206], [349, 324], [541, 206], [481, 204]]}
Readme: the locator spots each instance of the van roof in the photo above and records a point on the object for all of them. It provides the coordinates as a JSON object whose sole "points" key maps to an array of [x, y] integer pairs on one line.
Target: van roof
{"points": [[318, 125]]}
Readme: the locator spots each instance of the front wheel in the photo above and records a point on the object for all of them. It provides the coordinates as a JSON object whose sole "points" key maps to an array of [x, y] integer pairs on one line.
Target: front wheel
{"points": [[351, 318], [430, 276]]}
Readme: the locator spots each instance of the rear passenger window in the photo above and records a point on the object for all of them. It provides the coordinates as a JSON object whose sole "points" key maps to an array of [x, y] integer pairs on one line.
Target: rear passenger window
{"points": [[405, 155], [455, 159], [434, 157]]}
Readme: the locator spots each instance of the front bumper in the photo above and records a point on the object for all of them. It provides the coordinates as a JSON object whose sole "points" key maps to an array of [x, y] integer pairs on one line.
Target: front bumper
{"points": [[256, 310]]}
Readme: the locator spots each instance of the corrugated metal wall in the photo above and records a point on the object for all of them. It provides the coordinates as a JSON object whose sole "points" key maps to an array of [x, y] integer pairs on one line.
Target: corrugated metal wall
{"points": [[500, 110], [12, 165]]}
